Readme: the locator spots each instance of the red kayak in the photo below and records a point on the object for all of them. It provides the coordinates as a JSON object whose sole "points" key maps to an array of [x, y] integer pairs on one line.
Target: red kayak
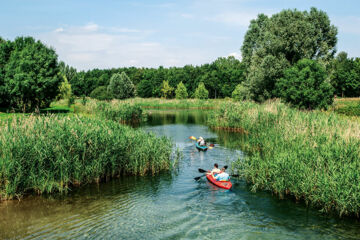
{"points": [[222, 184]]}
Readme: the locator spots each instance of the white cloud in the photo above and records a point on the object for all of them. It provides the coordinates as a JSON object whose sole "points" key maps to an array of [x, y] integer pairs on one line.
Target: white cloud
{"points": [[91, 27], [236, 55], [234, 18], [186, 15], [94, 46]]}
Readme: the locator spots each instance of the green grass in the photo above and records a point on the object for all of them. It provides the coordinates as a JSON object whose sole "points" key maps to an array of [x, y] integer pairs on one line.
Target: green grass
{"points": [[176, 103], [347, 106], [52, 153], [313, 156]]}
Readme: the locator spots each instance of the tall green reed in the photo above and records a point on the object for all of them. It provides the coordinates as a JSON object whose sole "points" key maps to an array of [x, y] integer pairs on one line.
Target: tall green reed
{"points": [[312, 156], [52, 153]]}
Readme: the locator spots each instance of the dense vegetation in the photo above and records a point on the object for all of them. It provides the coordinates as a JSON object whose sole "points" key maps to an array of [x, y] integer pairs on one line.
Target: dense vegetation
{"points": [[312, 156], [273, 44], [47, 154], [29, 74]]}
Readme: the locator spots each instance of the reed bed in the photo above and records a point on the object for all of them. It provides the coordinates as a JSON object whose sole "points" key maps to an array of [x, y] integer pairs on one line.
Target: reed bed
{"points": [[312, 156], [46, 154], [116, 110]]}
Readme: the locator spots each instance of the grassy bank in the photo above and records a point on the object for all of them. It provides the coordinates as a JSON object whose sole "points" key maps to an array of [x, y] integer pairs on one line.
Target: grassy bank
{"points": [[51, 153], [312, 156], [176, 103], [347, 106]]}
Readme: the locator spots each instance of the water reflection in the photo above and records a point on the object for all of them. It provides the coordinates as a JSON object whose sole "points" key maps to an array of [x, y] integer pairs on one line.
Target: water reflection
{"points": [[172, 205]]}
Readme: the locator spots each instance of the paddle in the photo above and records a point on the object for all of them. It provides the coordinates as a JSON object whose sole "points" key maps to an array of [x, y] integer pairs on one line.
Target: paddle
{"points": [[204, 171]]}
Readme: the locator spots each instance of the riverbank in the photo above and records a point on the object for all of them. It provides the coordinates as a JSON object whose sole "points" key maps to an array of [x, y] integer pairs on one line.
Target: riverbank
{"points": [[313, 156], [46, 154]]}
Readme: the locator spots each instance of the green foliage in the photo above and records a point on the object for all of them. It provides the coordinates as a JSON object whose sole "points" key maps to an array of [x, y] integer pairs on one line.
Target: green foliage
{"points": [[272, 44], [241, 92], [310, 155], [100, 93], [201, 92], [305, 86], [144, 89], [166, 89], [120, 112], [345, 76], [121, 87], [29, 74], [65, 151], [64, 89], [181, 92]]}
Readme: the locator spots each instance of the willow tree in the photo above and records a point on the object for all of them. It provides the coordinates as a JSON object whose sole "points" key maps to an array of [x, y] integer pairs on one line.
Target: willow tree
{"points": [[272, 44]]}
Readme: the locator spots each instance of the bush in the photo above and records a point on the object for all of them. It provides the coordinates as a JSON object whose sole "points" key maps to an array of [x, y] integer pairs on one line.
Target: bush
{"points": [[305, 86], [201, 92], [100, 93], [121, 87], [241, 92], [181, 92]]}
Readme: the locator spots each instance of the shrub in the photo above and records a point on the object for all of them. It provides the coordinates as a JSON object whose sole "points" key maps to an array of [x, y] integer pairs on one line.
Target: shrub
{"points": [[241, 92], [181, 92], [201, 92], [100, 93], [305, 86]]}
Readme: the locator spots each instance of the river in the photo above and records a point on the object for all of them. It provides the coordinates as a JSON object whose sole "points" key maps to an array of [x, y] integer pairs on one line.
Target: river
{"points": [[172, 205]]}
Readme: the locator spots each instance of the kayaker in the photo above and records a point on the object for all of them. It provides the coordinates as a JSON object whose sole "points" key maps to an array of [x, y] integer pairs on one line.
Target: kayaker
{"points": [[222, 176], [215, 170], [201, 141]]}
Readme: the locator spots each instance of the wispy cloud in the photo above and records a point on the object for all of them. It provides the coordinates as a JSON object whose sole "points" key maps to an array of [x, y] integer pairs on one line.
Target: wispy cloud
{"points": [[94, 46]]}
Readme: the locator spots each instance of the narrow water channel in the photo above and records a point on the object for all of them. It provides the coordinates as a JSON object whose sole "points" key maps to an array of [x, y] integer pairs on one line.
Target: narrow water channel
{"points": [[171, 205]]}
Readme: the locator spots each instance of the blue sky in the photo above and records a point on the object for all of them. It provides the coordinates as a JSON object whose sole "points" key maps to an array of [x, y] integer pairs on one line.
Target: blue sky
{"points": [[90, 34]]}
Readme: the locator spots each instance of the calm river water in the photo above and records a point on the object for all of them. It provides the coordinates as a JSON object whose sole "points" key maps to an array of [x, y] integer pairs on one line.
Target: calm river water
{"points": [[172, 205]]}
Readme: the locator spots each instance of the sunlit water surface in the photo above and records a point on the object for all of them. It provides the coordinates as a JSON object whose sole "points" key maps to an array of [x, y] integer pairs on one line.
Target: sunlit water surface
{"points": [[172, 205]]}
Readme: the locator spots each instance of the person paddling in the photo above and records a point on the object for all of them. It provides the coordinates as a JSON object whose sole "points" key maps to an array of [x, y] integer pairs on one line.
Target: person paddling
{"points": [[201, 141], [215, 170], [222, 176]]}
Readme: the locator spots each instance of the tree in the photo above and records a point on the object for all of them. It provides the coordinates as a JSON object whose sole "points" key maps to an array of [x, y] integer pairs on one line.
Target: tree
{"points": [[144, 89], [181, 92], [121, 87], [64, 89], [344, 77], [166, 89], [30, 73], [201, 92], [305, 86], [241, 92], [273, 44]]}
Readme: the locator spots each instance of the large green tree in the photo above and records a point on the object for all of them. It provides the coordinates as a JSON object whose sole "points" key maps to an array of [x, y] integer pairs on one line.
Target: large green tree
{"points": [[272, 44], [305, 85], [121, 86], [30, 73]]}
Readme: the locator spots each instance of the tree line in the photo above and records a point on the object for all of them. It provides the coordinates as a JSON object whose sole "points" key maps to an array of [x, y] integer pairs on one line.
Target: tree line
{"points": [[290, 55]]}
